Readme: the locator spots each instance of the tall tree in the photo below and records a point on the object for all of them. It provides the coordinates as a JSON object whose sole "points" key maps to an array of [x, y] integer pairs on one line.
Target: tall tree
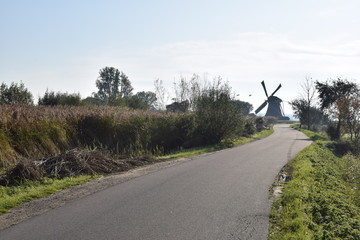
{"points": [[112, 85], [15, 94], [125, 85], [334, 96], [108, 84], [304, 107], [161, 94], [308, 96]]}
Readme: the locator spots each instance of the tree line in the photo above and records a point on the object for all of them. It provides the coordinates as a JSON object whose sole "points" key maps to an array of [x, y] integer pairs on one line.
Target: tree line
{"points": [[333, 104], [115, 89]]}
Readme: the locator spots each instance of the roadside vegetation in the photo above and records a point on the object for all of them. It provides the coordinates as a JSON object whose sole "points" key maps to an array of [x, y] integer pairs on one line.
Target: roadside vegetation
{"points": [[12, 196], [322, 199], [65, 140]]}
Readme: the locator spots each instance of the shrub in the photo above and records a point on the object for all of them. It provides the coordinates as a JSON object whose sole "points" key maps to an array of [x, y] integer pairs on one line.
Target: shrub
{"points": [[217, 116], [333, 132], [250, 127], [260, 123]]}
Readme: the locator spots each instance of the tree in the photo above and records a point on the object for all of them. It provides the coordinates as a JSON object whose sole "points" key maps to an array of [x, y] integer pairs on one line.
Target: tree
{"points": [[15, 94], [308, 95], [304, 106], [307, 116], [350, 107], [149, 98], [135, 102], [112, 85], [188, 91], [335, 96], [161, 95], [51, 98], [245, 107], [91, 101], [125, 86]]}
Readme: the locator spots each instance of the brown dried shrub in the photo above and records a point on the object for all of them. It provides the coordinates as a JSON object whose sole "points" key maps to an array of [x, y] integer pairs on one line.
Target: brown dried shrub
{"points": [[82, 161], [23, 170]]}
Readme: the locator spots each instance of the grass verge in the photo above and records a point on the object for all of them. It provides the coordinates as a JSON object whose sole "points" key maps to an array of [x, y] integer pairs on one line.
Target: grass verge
{"points": [[228, 143], [322, 199], [12, 196]]}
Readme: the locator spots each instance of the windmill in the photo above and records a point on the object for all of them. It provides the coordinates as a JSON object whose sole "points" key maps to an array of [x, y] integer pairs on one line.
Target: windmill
{"points": [[274, 108]]}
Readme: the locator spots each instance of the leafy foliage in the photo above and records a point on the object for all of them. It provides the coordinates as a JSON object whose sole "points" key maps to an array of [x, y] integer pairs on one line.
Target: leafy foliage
{"points": [[112, 85], [142, 100], [331, 92], [245, 107], [340, 99], [51, 98], [216, 114], [15, 94], [307, 115]]}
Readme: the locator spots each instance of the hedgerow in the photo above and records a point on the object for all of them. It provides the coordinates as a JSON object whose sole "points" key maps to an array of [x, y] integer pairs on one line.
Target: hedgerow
{"points": [[33, 132]]}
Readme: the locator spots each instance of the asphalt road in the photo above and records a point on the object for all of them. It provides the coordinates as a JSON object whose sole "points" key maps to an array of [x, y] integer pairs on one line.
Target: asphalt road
{"points": [[224, 195]]}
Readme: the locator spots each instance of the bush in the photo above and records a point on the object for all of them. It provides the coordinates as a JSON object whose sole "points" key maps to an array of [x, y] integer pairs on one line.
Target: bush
{"points": [[333, 132], [217, 116], [260, 123], [250, 127]]}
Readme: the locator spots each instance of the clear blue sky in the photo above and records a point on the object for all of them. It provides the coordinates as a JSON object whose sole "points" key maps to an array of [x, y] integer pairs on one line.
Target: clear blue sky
{"points": [[61, 45]]}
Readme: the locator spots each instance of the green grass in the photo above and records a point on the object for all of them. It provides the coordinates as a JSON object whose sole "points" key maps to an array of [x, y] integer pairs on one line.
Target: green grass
{"points": [[13, 196], [228, 143], [313, 135], [322, 199]]}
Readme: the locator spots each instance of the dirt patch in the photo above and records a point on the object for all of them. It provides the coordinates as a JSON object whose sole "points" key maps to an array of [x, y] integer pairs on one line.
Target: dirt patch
{"points": [[282, 178]]}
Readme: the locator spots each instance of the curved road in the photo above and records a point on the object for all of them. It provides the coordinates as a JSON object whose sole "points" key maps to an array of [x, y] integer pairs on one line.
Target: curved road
{"points": [[224, 195]]}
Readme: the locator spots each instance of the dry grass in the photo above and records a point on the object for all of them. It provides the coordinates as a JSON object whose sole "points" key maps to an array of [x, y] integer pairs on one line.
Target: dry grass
{"points": [[72, 163], [21, 114]]}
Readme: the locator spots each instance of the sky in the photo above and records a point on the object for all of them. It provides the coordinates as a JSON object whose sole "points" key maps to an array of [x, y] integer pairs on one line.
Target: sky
{"points": [[62, 45]]}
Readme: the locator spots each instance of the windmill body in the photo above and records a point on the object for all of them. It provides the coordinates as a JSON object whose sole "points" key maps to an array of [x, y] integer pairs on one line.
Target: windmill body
{"points": [[274, 107]]}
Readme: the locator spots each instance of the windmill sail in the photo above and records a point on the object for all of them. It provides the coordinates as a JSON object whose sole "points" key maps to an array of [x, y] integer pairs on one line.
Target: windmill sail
{"points": [[261, 107], [276, 90], [263, 84]]}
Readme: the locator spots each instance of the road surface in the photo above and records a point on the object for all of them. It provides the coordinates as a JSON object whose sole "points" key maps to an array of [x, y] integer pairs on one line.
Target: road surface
{"points": [[224, 195]]}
